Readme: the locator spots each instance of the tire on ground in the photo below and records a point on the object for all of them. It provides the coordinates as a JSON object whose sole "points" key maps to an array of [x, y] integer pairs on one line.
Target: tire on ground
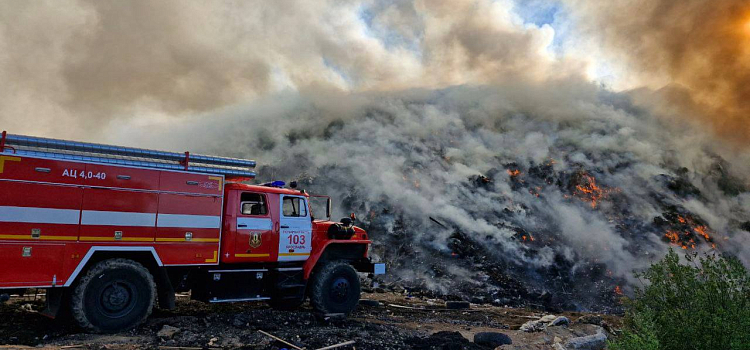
{"points": [[492, 339], [114, 295], [335, 288]]}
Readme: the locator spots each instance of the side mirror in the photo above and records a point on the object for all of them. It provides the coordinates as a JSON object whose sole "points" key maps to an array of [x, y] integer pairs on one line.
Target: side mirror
{"points": [[329, 208]]}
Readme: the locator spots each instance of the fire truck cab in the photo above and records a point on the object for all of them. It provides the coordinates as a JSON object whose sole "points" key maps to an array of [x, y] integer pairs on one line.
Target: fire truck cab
{"points": [[111, 232]]}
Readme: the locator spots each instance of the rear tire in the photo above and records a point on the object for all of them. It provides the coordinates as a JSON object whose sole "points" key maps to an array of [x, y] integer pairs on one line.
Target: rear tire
{"points": [[113, 296], [335, 288]]}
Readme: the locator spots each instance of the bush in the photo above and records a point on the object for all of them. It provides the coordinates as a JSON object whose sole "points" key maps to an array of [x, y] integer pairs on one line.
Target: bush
{"points": [[702, 305]]}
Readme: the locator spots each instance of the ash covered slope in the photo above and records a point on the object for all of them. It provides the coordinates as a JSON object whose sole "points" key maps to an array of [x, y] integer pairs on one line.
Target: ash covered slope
{"points": [[549, 200]]}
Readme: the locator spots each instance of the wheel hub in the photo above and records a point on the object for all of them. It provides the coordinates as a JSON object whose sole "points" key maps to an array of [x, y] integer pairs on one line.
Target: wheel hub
{"points": [[340, 289], [117, 298]]}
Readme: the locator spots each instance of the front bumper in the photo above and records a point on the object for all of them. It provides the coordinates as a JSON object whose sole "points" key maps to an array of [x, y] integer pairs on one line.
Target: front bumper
{"points": [[367, 266]]}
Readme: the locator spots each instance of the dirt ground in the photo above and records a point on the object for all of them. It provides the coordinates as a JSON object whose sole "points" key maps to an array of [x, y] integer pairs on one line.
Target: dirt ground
{"points": [[398, 322]]}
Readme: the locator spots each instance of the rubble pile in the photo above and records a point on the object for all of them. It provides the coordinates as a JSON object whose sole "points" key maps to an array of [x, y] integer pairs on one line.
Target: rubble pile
{"points": [[564, 233], [471, 193]]}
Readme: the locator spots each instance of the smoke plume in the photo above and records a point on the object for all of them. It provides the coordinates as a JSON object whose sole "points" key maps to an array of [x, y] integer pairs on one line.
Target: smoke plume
{"points": [[699, 50], [95, 62]]}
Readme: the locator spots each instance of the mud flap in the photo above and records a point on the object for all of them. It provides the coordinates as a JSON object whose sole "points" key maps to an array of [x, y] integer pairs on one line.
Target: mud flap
{"points": [[54, 302], [165, 291]]}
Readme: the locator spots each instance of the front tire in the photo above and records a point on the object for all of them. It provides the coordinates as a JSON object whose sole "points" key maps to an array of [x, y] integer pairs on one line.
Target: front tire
{"points": [[113, 296], [335, 288]]}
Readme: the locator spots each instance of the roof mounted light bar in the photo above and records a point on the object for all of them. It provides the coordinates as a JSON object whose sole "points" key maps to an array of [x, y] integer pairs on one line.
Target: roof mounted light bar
{"points": [[128, 156]]}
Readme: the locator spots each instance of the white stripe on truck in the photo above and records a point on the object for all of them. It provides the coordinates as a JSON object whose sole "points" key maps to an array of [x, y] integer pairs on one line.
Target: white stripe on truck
{"points": [[39, 215], [189, 221], [117, 218], [254, 224], [111, 218]]}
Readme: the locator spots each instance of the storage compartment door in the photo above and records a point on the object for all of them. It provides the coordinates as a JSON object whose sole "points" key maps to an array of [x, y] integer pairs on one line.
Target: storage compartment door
{"points": [[39, 212], [111, 215], [188, 229], [31, 264]]}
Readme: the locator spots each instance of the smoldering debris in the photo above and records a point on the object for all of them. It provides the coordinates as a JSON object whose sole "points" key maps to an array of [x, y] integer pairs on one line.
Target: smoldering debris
{"points": [[469, 200]]}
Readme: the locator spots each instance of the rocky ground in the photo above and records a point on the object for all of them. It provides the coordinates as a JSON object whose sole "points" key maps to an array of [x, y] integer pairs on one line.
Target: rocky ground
{"points": [[386, 321]]}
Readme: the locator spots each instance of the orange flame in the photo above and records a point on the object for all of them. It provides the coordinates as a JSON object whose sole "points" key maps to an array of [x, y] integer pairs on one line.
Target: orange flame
{"points": [[692, 227], [514, 172], [703, 231], [673, 236], [590, 190]]}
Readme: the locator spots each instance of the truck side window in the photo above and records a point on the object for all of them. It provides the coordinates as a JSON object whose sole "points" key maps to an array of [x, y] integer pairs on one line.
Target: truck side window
{"points": [[294, 206], [253, 204]]}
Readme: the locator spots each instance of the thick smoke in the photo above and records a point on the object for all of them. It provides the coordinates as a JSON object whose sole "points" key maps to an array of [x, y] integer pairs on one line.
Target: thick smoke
{"points": [[700, 48], [88, 64], [483, 163]]}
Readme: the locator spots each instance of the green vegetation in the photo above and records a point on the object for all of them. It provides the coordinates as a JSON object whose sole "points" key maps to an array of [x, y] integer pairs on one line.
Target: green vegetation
{"points": [[703, 304]]}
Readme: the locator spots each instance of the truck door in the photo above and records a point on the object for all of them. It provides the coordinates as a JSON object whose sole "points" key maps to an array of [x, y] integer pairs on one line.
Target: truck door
{"points": [[295, 233], [255, 238]]}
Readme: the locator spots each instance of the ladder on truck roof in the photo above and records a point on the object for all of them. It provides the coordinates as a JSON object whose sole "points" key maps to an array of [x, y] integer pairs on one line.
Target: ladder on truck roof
{"points": [[127, 156]]}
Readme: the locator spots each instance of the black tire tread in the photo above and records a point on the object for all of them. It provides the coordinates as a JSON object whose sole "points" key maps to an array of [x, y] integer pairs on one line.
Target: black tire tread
{"points": [[77, 297], [317, 287]]}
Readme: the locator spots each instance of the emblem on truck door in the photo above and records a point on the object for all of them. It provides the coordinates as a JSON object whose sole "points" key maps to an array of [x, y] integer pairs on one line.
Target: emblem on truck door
{"points": [[256, 240]]}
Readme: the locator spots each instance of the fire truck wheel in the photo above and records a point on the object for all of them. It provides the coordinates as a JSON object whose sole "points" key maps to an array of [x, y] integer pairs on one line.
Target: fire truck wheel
{"points": [[113, 296], [335, 288]]}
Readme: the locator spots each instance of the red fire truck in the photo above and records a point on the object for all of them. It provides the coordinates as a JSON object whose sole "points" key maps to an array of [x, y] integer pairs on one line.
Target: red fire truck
{"points": [[111, 231]]}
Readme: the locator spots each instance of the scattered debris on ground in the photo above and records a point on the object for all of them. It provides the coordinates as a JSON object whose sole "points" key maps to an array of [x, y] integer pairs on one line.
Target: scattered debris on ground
{"points": [[396, 321]]}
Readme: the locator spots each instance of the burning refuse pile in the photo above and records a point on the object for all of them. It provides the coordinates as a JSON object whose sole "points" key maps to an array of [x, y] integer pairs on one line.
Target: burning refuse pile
{"points": [[468, 193], [565, 285], [560, 285]]}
